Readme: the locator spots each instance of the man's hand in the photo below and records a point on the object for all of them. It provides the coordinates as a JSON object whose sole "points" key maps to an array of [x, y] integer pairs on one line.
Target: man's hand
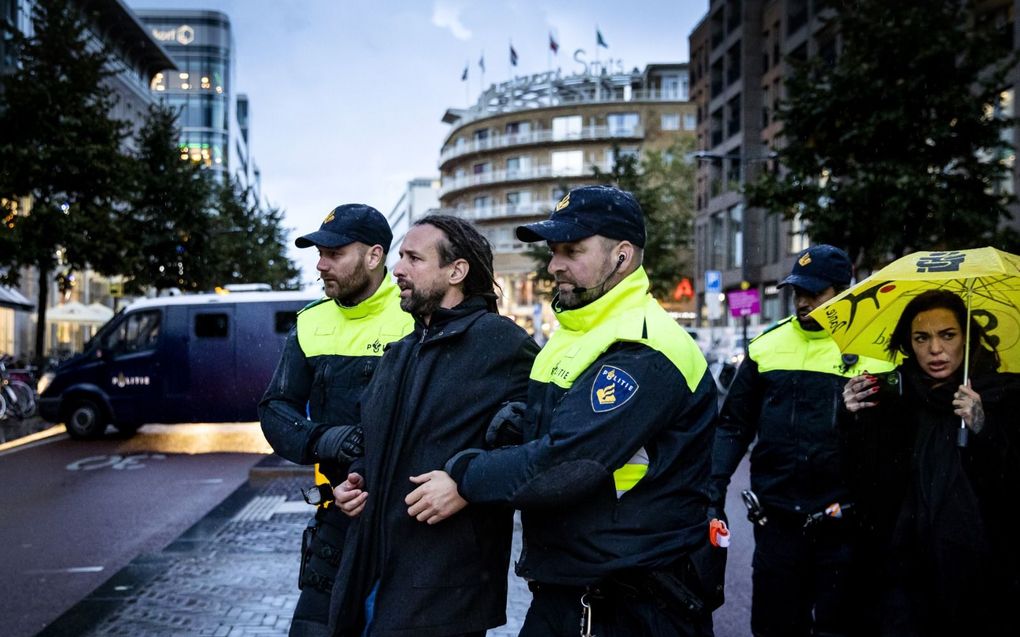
{"points": [[507, 426], [349, 495], [343, 444], [436, 499]]}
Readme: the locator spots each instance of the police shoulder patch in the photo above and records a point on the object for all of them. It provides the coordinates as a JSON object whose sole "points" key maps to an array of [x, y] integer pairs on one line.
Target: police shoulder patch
{"points": [[611, 388]]}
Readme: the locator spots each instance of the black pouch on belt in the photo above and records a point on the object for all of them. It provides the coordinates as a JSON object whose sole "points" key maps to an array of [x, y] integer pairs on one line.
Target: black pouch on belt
{"points": [[306, 551]]}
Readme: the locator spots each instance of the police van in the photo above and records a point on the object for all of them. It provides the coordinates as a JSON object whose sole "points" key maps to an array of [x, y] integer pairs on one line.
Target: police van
{"points": [[190, 358]]}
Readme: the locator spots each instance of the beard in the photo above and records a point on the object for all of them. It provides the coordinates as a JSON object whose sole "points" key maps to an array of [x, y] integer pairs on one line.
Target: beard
{"points": [[421, 302], [571, 299], [807, 323], [347, 288]]}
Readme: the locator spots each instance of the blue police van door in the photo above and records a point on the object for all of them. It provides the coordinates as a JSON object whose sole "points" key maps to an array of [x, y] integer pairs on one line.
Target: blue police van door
{"points": [[212, 363], [132, 374]]}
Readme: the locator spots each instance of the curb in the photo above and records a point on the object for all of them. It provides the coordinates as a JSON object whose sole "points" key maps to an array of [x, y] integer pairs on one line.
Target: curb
{"points": [[87, 614], [273, 467]]}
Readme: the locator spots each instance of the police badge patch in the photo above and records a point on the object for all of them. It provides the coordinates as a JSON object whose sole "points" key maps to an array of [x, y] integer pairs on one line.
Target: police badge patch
{"points": [[612, 387]]}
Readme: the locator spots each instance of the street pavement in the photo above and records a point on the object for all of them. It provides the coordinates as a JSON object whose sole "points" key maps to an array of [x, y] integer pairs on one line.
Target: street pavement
{"points": [[234, 573]]}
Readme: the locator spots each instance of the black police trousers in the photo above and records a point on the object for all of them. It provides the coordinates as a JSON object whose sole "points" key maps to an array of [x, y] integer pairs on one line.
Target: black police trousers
{"points": [[556, 612], [320, 559], [801, 580]]}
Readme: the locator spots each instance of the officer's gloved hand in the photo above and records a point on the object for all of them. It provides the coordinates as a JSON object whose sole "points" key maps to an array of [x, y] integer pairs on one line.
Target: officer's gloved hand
{"points": [[344, 443], [507, 426]]}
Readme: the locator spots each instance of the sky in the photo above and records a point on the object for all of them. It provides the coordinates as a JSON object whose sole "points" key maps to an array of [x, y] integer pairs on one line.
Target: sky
{"points": [[347, 96]]}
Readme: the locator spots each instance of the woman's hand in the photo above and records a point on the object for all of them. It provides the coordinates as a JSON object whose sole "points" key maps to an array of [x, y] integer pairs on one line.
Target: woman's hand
{"points": [[857, 390], [968, 406]]}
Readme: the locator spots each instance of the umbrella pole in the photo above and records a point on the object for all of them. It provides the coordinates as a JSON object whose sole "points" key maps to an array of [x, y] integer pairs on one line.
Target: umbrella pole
{"points": [[963, 434]]}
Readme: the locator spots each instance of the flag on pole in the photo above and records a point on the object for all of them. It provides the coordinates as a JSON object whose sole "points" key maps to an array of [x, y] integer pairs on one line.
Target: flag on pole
{"points": [[513, 56], [553, 44], [481, 62], [599, 40], [463, 76]]}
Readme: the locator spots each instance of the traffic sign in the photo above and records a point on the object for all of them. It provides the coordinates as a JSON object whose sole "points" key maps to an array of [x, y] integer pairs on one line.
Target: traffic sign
{"points": [[744, 302], [713, 288]]}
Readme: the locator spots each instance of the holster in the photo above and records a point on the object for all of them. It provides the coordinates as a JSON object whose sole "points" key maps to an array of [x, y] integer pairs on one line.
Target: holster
{"points": [[321, 551], [677, 590]]}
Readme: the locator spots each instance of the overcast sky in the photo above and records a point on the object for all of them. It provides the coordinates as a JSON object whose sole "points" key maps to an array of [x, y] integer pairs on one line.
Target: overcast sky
{"points": [[347, 95]]}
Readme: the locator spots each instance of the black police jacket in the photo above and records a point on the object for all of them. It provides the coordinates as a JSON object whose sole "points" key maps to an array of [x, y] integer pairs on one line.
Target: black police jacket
{"points": [[434, 393], [788, 393], [327, 361], [613, 474]]}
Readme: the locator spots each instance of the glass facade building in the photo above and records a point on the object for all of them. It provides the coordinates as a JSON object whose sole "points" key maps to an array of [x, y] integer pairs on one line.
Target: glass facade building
{"points": [[201, 89]]}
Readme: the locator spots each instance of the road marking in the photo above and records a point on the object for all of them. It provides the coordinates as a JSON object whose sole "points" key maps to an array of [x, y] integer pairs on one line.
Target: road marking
{"points": [[114, 461], [73, 569], [37, 439], [206, 481]]}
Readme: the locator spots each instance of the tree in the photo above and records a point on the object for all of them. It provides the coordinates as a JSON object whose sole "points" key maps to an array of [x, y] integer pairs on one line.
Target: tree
{"points": [[663, 184], [886, 151], [172, 210], [249, 242], [60, 148]]}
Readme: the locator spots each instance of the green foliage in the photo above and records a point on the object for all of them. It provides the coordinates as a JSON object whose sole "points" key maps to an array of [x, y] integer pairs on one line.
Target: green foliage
{"points": [[886, 150], [172, 212], [60, 147], [663, 183], [249, 242]]}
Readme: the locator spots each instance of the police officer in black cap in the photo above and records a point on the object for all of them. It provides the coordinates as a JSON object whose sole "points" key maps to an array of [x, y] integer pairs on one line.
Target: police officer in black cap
{"points": [[787, 393], [309, 412], [612, 474]]}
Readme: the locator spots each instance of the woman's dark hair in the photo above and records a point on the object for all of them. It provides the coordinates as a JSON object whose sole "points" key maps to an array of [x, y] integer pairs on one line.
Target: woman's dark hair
{"points": [[463, 241], [982, 347]]}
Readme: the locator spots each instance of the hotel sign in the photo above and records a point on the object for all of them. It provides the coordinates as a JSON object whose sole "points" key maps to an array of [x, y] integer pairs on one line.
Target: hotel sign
{"points": [[183, 34]]}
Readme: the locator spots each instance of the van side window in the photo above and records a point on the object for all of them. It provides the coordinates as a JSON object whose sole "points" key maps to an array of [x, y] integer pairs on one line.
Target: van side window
{"points": [[211, 325], [285, 321], [138, 332]]}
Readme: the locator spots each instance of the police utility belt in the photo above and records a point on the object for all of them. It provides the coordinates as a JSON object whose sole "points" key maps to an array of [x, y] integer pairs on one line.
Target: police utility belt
{"points": [[760, 516]]}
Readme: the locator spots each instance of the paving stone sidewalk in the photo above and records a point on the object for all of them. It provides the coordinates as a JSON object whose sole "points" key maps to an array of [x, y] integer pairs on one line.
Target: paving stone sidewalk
{"points": [[232, 574]]}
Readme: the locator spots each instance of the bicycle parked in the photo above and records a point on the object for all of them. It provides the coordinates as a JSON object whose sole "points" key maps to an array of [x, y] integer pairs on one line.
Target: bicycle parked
{"points": [[17, 397]]}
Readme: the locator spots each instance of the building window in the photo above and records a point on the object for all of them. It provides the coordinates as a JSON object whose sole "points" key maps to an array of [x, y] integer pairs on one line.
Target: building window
{"points": [[517, 200], [736, 235], [611, 156], [567, 162], [568, 127], [798, 235], [716, 240], [671, 121], [517, 165], [622, 123], [690, 121], [481, 135], [481, 168], [675, 87], [518, 128], [482, 201]]}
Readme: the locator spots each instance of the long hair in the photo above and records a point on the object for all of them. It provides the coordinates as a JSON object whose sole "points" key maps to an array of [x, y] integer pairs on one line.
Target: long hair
{"points": [[982, 346], [463, 241]]}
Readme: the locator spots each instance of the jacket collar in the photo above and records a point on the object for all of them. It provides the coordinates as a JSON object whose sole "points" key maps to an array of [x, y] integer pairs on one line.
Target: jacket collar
{"points": [[629, 293], [450, 321], [807, 334], [374, 304]]}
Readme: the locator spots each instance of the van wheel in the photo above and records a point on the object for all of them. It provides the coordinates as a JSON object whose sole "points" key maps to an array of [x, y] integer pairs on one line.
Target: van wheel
{"points": [[85, 420]]}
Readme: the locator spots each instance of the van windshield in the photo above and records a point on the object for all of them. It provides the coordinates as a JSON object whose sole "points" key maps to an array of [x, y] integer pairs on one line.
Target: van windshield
{"points": [[102, 332], [138, 332]]}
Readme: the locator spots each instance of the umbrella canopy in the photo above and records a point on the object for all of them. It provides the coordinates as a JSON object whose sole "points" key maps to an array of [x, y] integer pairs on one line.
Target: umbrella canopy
{"points": [[862, 318], [75, 312], [100, 311]]}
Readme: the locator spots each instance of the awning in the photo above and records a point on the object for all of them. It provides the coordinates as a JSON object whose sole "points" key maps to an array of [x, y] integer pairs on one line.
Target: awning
{"points": [[75, 312], [9, 297]]}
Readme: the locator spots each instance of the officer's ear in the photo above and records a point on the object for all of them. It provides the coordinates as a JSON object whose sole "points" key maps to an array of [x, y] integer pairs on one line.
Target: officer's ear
{"points": [[374, 257], [624, 255], [458, 271]]}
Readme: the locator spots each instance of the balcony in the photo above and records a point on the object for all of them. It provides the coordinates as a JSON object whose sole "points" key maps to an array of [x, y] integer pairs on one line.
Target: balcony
{"points": [[541, 136], [505, 211], [452, 184]]}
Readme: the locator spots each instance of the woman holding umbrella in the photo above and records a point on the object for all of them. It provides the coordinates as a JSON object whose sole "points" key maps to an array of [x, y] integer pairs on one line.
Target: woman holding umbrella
{"points": [[939, 523]]}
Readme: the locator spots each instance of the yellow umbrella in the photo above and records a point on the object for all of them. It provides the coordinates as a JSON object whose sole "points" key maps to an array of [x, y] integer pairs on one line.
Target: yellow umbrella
{"points": [[861, 319]]}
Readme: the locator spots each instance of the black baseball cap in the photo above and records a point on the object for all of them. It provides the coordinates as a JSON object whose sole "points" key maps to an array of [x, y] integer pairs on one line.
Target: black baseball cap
{"points": [[819, 267], [588, 211], [349, 223]]}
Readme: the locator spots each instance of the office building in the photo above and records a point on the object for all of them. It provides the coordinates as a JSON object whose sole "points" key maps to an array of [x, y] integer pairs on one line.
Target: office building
{"points": [[419, 199], [511, 156], [214, 120]]}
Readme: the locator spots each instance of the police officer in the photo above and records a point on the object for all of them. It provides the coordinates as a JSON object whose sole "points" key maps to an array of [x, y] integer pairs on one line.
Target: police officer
{"points": [[612, 475], [787, 392], [309, 412]]}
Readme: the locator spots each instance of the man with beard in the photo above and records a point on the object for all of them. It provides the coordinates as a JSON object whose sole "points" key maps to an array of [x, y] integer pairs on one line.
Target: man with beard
{"points": [[612, 475], [787, 393], [309, 412], [434, 394]]}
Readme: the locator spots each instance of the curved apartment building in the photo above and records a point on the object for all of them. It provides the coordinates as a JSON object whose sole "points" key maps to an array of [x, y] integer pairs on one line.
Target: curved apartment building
{"points": [[512, 155]]}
